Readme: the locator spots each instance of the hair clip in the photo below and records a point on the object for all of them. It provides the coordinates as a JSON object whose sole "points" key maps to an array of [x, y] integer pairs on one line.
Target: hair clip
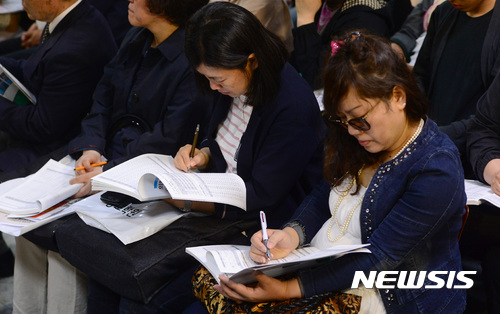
{"points": [[354, 36], [335, 46]]}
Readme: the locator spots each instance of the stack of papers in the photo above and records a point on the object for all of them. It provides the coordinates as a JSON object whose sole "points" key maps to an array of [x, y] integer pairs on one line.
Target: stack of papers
{"points": [[38, 192], [27, 203]]}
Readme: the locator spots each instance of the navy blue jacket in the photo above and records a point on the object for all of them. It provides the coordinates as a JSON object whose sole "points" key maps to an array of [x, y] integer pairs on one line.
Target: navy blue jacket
{"points": [[62, 73], [163, 97], [411, 215], [280, 153]]}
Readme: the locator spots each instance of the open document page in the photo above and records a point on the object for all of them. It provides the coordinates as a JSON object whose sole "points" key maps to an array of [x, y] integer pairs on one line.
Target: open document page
{"points": [[40, 191], [234, 262], [13, 90], [478, 192], [154, 176]]}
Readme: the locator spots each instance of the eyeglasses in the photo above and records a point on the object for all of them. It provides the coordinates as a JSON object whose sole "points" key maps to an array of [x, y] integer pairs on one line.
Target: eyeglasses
{"points": [[359, 124]]}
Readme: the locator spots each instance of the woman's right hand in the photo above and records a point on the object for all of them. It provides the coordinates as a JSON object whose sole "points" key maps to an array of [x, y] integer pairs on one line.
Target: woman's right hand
{"points": [[280, 243], [184, 162], [88, 158]]}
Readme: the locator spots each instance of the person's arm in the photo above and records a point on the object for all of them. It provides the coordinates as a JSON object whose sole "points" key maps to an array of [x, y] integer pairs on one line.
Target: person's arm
{"points": [[31, 37], [422, 211], [483, 136], [285, 151], [95, 125], [185, 110], [306, 11], [412, 28], [281, 243], [62, 100]]}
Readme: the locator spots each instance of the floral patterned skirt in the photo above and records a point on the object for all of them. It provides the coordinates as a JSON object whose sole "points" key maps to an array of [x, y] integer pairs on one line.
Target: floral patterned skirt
{"points": [[215, 303]]}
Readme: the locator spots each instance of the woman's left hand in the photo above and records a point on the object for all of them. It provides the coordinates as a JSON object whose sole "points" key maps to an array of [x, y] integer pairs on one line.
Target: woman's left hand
{"points": [[266, 289]]}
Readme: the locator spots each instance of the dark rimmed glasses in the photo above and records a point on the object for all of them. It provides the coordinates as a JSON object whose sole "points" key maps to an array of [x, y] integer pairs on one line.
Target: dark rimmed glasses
{"points": [[359, 124]]}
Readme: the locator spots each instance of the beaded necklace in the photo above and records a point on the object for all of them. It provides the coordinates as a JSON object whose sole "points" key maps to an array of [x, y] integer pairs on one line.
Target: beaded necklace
{"points": [[336, 208], [412, 138], [346, 223]]}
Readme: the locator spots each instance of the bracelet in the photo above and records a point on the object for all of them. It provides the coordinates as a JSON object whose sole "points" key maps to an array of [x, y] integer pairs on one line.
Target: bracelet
{"points": [[187, 207]]}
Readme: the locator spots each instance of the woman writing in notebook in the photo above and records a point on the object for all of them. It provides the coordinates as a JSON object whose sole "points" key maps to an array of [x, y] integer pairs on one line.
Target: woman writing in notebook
{"points": [[391, 180], [265, 125]]}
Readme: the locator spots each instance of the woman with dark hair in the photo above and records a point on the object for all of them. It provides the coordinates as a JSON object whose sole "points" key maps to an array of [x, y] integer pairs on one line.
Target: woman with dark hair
{"points": [[265, 126], [392, 180], [146, 102]]}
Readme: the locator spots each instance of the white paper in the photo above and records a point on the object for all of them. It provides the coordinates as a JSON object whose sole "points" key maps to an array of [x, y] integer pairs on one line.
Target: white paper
{"points": [[131, 223], [118, 180], [154, 176], [19, 226], [477, 192], [234, 261], [40, 191]]}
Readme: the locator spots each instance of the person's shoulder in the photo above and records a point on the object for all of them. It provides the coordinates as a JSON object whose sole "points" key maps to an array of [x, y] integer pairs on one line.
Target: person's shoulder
{"points": [[292, 82], [445, 10], [296, 95], [435, 141]]}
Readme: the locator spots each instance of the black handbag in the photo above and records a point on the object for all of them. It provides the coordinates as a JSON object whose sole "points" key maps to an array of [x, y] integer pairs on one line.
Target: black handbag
{"points": [[140, 269]]}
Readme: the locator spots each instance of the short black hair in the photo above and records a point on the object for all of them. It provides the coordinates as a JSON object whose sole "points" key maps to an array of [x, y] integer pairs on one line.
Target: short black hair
{"points": [[223, 35], [176, 12]]}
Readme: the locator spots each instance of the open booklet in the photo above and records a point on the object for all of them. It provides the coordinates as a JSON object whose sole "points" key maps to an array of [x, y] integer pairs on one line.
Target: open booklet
{"points": [[39, 191], [154, 176], [234, 262], [13, 90], [478, 192]]}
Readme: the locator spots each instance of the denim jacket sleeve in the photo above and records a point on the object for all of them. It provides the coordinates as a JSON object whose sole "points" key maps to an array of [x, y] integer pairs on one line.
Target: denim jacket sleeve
{"points": [[313, 211], [432, 201]]}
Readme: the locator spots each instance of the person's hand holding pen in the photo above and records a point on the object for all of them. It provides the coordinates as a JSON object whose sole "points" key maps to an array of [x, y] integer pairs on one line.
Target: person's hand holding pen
{"points": [[200, 159], [280, 244], [84, 171], [193, 147], [189, 157]]}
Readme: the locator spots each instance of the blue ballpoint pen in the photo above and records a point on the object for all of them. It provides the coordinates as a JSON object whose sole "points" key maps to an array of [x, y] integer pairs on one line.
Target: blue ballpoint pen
{"points": [[265, 238]]}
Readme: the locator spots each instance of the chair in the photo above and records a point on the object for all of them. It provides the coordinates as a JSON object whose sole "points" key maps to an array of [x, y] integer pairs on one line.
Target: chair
{"points": [[464, 220]]}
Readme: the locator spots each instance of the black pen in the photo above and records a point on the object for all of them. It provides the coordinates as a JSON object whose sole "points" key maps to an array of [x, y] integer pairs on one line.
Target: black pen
{"points": [[193, 147]]}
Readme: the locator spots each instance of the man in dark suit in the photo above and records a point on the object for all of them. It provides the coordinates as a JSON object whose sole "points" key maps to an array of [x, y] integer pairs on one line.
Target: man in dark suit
{"points": [[62, 73]]}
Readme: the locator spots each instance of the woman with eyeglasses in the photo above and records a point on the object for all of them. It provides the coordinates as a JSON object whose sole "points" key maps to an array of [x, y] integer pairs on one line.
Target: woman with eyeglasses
{"points": [[391, 180]]}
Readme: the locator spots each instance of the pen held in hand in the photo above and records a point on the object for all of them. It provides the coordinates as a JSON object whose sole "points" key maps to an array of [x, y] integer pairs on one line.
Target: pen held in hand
{"points": [[193, 147], [263, 224], [92, 165]]}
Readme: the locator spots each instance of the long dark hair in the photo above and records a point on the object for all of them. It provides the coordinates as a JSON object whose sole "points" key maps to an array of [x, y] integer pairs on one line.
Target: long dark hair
{"points": [[175, 11], [223, 35], [367, 64]]}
